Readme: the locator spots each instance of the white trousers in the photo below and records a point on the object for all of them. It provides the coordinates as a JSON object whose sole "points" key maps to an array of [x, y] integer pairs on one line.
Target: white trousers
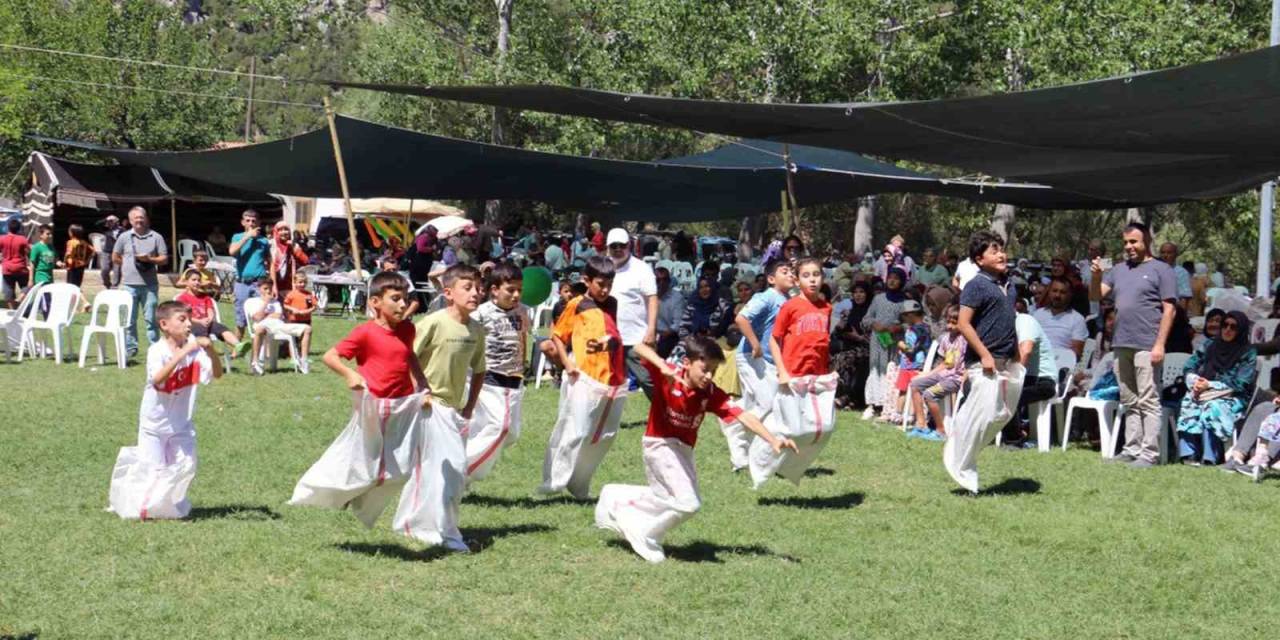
{"points": [[759, 382], [805, 412], [150, 480], [644, 514], [495, 425], [391, 445], [987, 407], [584, 431]]}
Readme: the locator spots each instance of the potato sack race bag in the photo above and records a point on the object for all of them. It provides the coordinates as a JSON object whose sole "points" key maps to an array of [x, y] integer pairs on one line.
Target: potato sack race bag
{"points": [[806, 414], [644, 514], [145, 490], [584, 431], [758, 381], [987, 408], [495, 425]]}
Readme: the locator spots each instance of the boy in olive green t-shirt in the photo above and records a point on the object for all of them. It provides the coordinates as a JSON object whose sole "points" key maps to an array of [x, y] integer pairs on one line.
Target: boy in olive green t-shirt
{"points": [[448, 344]]}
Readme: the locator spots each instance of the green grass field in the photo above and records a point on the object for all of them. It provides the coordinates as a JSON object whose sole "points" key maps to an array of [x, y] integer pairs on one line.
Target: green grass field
{"points": [[875, 544]]}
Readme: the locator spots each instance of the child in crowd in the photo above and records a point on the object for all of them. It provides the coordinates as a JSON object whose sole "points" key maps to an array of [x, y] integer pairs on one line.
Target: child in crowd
{"points": [[203, 313], [389, 265], [644, 514], [593, 391], [757, 373], [987, 321], [804, 407], [40, 263], [385, 444], [566, 294], [79, 253], [270, 320], [150, 480], [912, 350], [496, 422], [450, 344], [199, 270], [299, 303], [942, 382]]}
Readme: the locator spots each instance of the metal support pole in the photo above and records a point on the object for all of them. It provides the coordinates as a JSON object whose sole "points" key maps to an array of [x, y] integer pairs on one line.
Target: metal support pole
{"points": [[342, 181], [1265, 224]]}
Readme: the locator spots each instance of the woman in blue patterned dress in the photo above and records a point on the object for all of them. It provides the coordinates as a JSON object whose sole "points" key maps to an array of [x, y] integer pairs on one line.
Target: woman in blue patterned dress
{"points": [[1219, 380]]}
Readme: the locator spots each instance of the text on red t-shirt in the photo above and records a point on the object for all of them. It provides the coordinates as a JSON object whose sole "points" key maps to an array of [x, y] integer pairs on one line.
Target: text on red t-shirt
{"points": [[677, 409], [803, 330]]}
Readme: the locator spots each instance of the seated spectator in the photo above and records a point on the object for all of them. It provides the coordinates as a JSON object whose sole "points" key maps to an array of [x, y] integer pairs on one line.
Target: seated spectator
{"points": [[671, 306], [1064, 326], [849, 347], [1036, 354], [744, 292], [1219, 381], [1094, 324], [1181, 334], [1089, 371], [271, 319], [1212, 327], [705, 313], [1199, 285], [206, 279], [203, 322], [1261, 433], [941, 382], [217, 239], [913, 347], [930, 273]]}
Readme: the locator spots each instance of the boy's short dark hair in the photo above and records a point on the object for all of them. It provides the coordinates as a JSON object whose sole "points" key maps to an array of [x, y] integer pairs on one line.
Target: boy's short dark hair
{"points": [[980, 241], [460, 272], [502, 274], [578, 288], [387, 281], [262, 281], [165, 310], [563, 284], [703, 348], [199, 252], [599, 267], [771, 267], [807, 260], [14, 225], [45, 227]]}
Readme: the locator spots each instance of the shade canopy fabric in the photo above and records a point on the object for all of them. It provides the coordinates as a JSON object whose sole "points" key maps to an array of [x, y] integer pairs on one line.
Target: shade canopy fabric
{"points": [[94, 186], [417, 209], [739, 179], [1191, 132]]}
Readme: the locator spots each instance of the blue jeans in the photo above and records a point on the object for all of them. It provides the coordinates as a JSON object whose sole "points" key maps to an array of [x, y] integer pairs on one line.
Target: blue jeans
{"points": [[243, 291], [145, 299]]}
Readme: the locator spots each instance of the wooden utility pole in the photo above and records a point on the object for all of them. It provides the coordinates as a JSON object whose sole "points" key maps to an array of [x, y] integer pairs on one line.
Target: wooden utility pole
{"points": [[342, 180], [248, 111]]}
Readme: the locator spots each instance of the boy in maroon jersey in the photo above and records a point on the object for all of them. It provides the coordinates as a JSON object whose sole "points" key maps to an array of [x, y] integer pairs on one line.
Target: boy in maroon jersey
{"points": [[682, 397]]}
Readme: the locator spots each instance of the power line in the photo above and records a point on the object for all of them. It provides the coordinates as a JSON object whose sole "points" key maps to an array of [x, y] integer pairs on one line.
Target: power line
{"points": [[149, 63], [194, 94]]}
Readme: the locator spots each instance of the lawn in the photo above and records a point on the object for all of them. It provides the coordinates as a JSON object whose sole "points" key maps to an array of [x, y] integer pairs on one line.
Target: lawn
{"points": [[875, 543]]}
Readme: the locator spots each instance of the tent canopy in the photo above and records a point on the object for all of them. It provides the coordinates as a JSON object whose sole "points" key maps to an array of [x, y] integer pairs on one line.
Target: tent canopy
{"points": [[94, 186], [740, 179], [1197, 131]]}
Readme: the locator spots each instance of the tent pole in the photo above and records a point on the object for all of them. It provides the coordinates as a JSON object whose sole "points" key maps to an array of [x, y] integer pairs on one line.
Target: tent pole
{"points": [[408, 225], [342, 180], [173, 234], [1265, 226], [791, 187]]}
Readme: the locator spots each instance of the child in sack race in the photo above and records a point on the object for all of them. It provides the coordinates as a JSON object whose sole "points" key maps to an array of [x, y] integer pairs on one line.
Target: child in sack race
{"points": [[495, 425], [682, 397], [757, 371]]}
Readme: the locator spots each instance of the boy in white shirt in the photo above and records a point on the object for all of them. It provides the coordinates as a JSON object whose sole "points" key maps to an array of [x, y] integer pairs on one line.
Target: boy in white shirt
{"points": [[271, 319], [150, 480], [495, 424]]}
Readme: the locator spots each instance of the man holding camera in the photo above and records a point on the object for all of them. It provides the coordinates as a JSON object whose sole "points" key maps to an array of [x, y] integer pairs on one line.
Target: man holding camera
{"points": [[140, 252]]}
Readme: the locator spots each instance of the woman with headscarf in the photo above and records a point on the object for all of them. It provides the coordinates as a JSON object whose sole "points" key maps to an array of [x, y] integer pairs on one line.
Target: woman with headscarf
{"points": [[1219, 380], [424, 253], [1211, 329], [884, 326], [285, 258], [706, 313], [850, 348]]}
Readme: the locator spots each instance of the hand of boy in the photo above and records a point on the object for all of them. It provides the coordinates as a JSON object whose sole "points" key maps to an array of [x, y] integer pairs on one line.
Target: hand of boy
{"points": [[988, 365], [783, 443], [203, 343], [571, 373], [757, 351], [668, 372], [426, 399], [354, 381]]}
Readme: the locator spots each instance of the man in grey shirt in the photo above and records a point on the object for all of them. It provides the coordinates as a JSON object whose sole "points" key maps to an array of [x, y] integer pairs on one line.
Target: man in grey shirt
{"points": [[1145, 293], [140, 252]]}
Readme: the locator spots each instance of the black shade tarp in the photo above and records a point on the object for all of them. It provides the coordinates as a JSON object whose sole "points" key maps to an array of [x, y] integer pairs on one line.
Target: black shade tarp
{"points": [[1190, 132], [736, 180]]}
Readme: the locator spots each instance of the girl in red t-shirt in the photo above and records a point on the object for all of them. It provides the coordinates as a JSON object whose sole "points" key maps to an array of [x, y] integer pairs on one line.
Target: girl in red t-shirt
{"points": [[801, 338]]}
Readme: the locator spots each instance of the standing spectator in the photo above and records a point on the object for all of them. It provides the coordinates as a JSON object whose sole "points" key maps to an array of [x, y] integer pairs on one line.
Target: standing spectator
{"points": [[42, 260], [885, 263], [217, 239], [582, 251], [1146, 291], [1064, 326], [883, 322], [78, 255], [554, 258], [424, 253], [636, 291], [930, 273], [14, 249], [1169, 253], [1219, 279], [251, 251], [597, 238], [965, 271], [286, 257], [670, 311], [140, 252], [110, 270]]}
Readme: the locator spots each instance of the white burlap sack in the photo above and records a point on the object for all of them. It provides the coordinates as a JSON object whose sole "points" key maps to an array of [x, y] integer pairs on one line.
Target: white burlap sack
{"points": [[584, 431], [644, 514], [806, 414], [759, 383], [150, 481], [383, 447], [495, 425], [987, 407]]}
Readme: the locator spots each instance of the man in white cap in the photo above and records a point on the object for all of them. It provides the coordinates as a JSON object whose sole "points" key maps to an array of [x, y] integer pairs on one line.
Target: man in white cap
{"points": [[636, 291]]}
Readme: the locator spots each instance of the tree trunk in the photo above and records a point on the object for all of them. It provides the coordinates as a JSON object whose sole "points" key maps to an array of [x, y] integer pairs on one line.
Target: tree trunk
{"points": [[1002, 221], [751, 236], [495, 211], [863, 228]]}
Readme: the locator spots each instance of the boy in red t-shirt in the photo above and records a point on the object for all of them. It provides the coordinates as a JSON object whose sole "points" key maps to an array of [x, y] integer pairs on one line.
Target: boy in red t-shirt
{"points": [[682, 397], [804, 407], [203, 320], [384, 445]]}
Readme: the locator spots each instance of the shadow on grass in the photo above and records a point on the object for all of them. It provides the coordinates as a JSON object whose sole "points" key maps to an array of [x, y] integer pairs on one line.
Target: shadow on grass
{"points": [[817, 472], [1010, 487], [703, 551], [478, 539], [525, 502], [247, 512], [842, 501], [633, 424], [19, 636]]}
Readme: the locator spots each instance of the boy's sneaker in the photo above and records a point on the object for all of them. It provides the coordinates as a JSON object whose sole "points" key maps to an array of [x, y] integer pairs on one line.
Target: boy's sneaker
{"points": [[242, 348], [457, 546], [869, 413], [256, 368], [304, 366], [932, 436]]}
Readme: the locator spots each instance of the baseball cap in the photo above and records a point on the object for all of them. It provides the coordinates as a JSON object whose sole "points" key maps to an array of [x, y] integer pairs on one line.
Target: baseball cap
{"points": [[617, 235], [910, 306]]}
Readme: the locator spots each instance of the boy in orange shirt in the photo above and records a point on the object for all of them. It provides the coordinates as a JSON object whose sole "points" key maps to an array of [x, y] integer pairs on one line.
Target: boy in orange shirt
{"points": [[299, 302], [593, 391], [804, 407]]}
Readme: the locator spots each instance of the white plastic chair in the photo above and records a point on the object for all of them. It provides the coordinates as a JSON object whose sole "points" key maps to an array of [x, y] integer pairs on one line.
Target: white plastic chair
{"points": [[682, 274], [908, 409], [252, 307], [1171, 370], [215, 259], [1263, 330], [117, 308], [11, 321], [64, 300], [226, 357], [1044, 412], [186, 253], [99, 243], [1108, 411]]}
